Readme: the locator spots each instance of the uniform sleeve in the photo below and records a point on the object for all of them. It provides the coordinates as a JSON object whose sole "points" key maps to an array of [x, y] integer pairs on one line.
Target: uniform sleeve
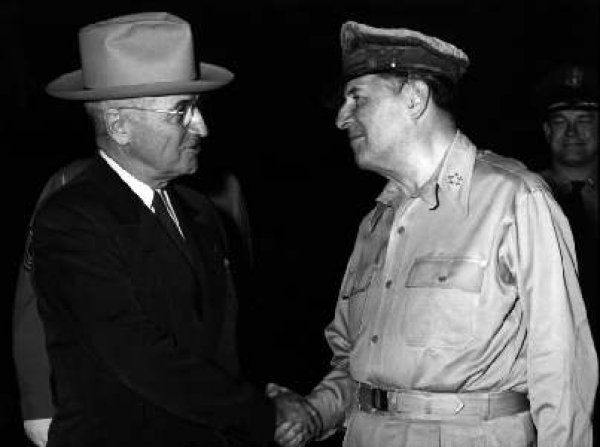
{"points": [[334, 395], [29, 351], [562, 367], [29, 341]]}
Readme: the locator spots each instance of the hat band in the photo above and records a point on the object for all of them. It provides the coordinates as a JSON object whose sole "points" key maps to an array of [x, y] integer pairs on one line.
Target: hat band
{"points": [[577, 105], [385, 59]]}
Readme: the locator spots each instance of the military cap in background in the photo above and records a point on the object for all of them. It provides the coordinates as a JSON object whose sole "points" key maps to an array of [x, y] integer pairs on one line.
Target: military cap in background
{"points": [[568, 87], [366, 50]]}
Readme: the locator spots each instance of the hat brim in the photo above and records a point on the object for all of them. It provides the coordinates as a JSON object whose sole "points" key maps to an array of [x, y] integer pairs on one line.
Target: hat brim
{"points": [[70, 86]]}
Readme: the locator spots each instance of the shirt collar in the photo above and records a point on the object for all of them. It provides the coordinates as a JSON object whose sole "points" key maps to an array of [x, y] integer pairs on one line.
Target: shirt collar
{"points": [[563, 182], [456, 172], [143, 191], [451, 180]]}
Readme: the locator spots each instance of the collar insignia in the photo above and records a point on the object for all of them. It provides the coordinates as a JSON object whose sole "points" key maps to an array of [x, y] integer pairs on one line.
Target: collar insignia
{"points": [[455, 180]]}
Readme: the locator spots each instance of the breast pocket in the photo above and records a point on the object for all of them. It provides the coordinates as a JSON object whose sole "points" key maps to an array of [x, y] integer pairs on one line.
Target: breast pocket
{"points": [[442, 298], [355, 293]]}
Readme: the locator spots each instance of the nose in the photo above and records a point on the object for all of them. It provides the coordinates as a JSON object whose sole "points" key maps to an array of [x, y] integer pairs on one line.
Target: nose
{"points": [[572, 128], [344, 117], [197, 125]]}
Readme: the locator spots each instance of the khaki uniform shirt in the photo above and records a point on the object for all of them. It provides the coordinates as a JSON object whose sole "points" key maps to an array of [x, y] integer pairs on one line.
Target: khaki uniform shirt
{"points": [[468, 286]]}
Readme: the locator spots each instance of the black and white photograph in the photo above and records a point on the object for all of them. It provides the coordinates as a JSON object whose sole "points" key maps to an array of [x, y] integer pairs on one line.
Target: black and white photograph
{"points": [[358, 223]]}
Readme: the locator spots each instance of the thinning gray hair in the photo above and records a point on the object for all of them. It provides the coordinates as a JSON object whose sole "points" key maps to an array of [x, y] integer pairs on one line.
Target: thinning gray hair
{"points": [[96, 110]]}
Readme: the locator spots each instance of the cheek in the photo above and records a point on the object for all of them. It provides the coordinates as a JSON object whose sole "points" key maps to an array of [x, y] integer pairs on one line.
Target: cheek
{"points": [[590, 134], [555, 136], [171, 145]]}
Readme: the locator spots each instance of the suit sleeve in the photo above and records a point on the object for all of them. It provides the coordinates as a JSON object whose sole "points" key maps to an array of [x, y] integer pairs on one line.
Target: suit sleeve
{"points": [[562, 366], [82, 278]]}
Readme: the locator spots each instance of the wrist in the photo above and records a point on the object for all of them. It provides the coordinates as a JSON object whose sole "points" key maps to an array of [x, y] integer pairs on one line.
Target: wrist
{"points": [[316, 419]]}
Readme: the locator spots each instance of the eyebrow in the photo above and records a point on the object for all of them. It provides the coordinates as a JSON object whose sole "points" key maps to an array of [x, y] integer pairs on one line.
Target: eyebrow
{"points": [[352, 90], [183, 102]]}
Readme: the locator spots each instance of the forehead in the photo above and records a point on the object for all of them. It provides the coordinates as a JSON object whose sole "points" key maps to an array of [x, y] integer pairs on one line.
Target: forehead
{"points": [[573, 114], [167, 101], [366, 82]]}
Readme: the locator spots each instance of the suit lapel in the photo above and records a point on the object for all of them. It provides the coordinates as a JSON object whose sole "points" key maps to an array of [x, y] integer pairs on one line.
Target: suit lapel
{"points": [[140, 230], [188, 221], [129, 208], [205, 247]]}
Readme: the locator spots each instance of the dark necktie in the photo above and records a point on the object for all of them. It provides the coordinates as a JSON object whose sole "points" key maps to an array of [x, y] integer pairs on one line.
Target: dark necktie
{"points": [[575, 210], [161, 212]]}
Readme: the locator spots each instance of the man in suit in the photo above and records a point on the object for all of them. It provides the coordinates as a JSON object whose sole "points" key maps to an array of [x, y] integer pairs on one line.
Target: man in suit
{"points": [[29, 350], [130, 269]]}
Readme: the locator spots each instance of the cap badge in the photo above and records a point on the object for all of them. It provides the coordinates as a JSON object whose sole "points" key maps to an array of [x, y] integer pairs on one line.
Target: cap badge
{"points": [[574, 78]]}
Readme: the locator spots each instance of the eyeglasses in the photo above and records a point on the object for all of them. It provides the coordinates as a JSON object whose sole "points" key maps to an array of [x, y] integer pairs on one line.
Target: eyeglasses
{"points": [[185, 111]]}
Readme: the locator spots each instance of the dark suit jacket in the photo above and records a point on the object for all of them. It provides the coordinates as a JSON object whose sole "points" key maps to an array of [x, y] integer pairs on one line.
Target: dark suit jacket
{"points": [[140, 331]]}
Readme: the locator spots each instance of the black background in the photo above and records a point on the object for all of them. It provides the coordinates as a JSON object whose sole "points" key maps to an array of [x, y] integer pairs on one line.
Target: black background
{"points": [[274, 128]]}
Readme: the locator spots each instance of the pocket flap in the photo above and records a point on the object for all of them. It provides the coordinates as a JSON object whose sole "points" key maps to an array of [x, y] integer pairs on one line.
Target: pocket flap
{"points": [[357, 282], [446, 273]]}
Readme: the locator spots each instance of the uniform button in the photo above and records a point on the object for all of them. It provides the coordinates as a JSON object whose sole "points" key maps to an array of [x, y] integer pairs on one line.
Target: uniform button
{"points": [[401, 230], [388, 283], [375, 338], [431, 352]]}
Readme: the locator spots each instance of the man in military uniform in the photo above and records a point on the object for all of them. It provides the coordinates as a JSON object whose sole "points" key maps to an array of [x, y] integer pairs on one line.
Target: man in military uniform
{"points": [[460, 319], [568, 102]]}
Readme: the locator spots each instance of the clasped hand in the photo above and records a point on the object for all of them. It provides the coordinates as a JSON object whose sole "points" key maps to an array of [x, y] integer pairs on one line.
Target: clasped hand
{"points": [[297, 421]]}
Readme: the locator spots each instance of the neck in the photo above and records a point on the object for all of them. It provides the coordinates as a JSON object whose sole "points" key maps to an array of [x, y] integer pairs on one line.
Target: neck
{"points": [[423, 156], [139, 171], [575, 173]]}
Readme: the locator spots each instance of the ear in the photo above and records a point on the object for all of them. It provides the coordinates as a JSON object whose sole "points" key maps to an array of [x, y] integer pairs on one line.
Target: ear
{"points": [[418, 97], [116, 127], [547, 131]]}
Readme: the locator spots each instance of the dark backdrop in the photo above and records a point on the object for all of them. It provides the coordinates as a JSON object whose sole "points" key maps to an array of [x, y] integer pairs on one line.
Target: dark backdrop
{"points": [[274, 128]]}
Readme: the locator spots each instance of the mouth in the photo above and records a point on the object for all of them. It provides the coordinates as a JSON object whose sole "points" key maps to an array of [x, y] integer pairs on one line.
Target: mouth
{"points": [[194, 149], [191, 144]]}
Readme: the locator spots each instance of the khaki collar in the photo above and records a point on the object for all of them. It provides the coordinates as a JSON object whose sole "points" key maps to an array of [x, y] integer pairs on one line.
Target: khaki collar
{"points": [[563, 183], [450, 182]]}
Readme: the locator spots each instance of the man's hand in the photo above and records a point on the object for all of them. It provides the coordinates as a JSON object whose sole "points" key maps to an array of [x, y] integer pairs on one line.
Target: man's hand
{"points": [[37, 431], [297, 421]]}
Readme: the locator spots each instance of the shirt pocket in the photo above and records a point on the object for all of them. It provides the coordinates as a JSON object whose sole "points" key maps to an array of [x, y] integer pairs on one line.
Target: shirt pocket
{"points": [[442, 298], [356, 293]]}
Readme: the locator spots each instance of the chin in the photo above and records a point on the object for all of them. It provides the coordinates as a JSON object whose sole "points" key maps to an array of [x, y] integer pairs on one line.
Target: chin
{"points": [[576, 156], [192, 169], [362, 162], [188, 166]]}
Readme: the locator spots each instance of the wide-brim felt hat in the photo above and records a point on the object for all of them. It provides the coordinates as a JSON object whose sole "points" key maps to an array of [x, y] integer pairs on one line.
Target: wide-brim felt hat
{"points": [[145, 54]]}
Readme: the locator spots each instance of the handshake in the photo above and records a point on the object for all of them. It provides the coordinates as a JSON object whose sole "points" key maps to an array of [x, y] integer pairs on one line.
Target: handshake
{"points": [[297, 421]]}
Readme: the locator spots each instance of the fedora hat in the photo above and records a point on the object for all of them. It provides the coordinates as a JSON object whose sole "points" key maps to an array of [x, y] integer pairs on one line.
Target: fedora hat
{"points": [[145, 54]]}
